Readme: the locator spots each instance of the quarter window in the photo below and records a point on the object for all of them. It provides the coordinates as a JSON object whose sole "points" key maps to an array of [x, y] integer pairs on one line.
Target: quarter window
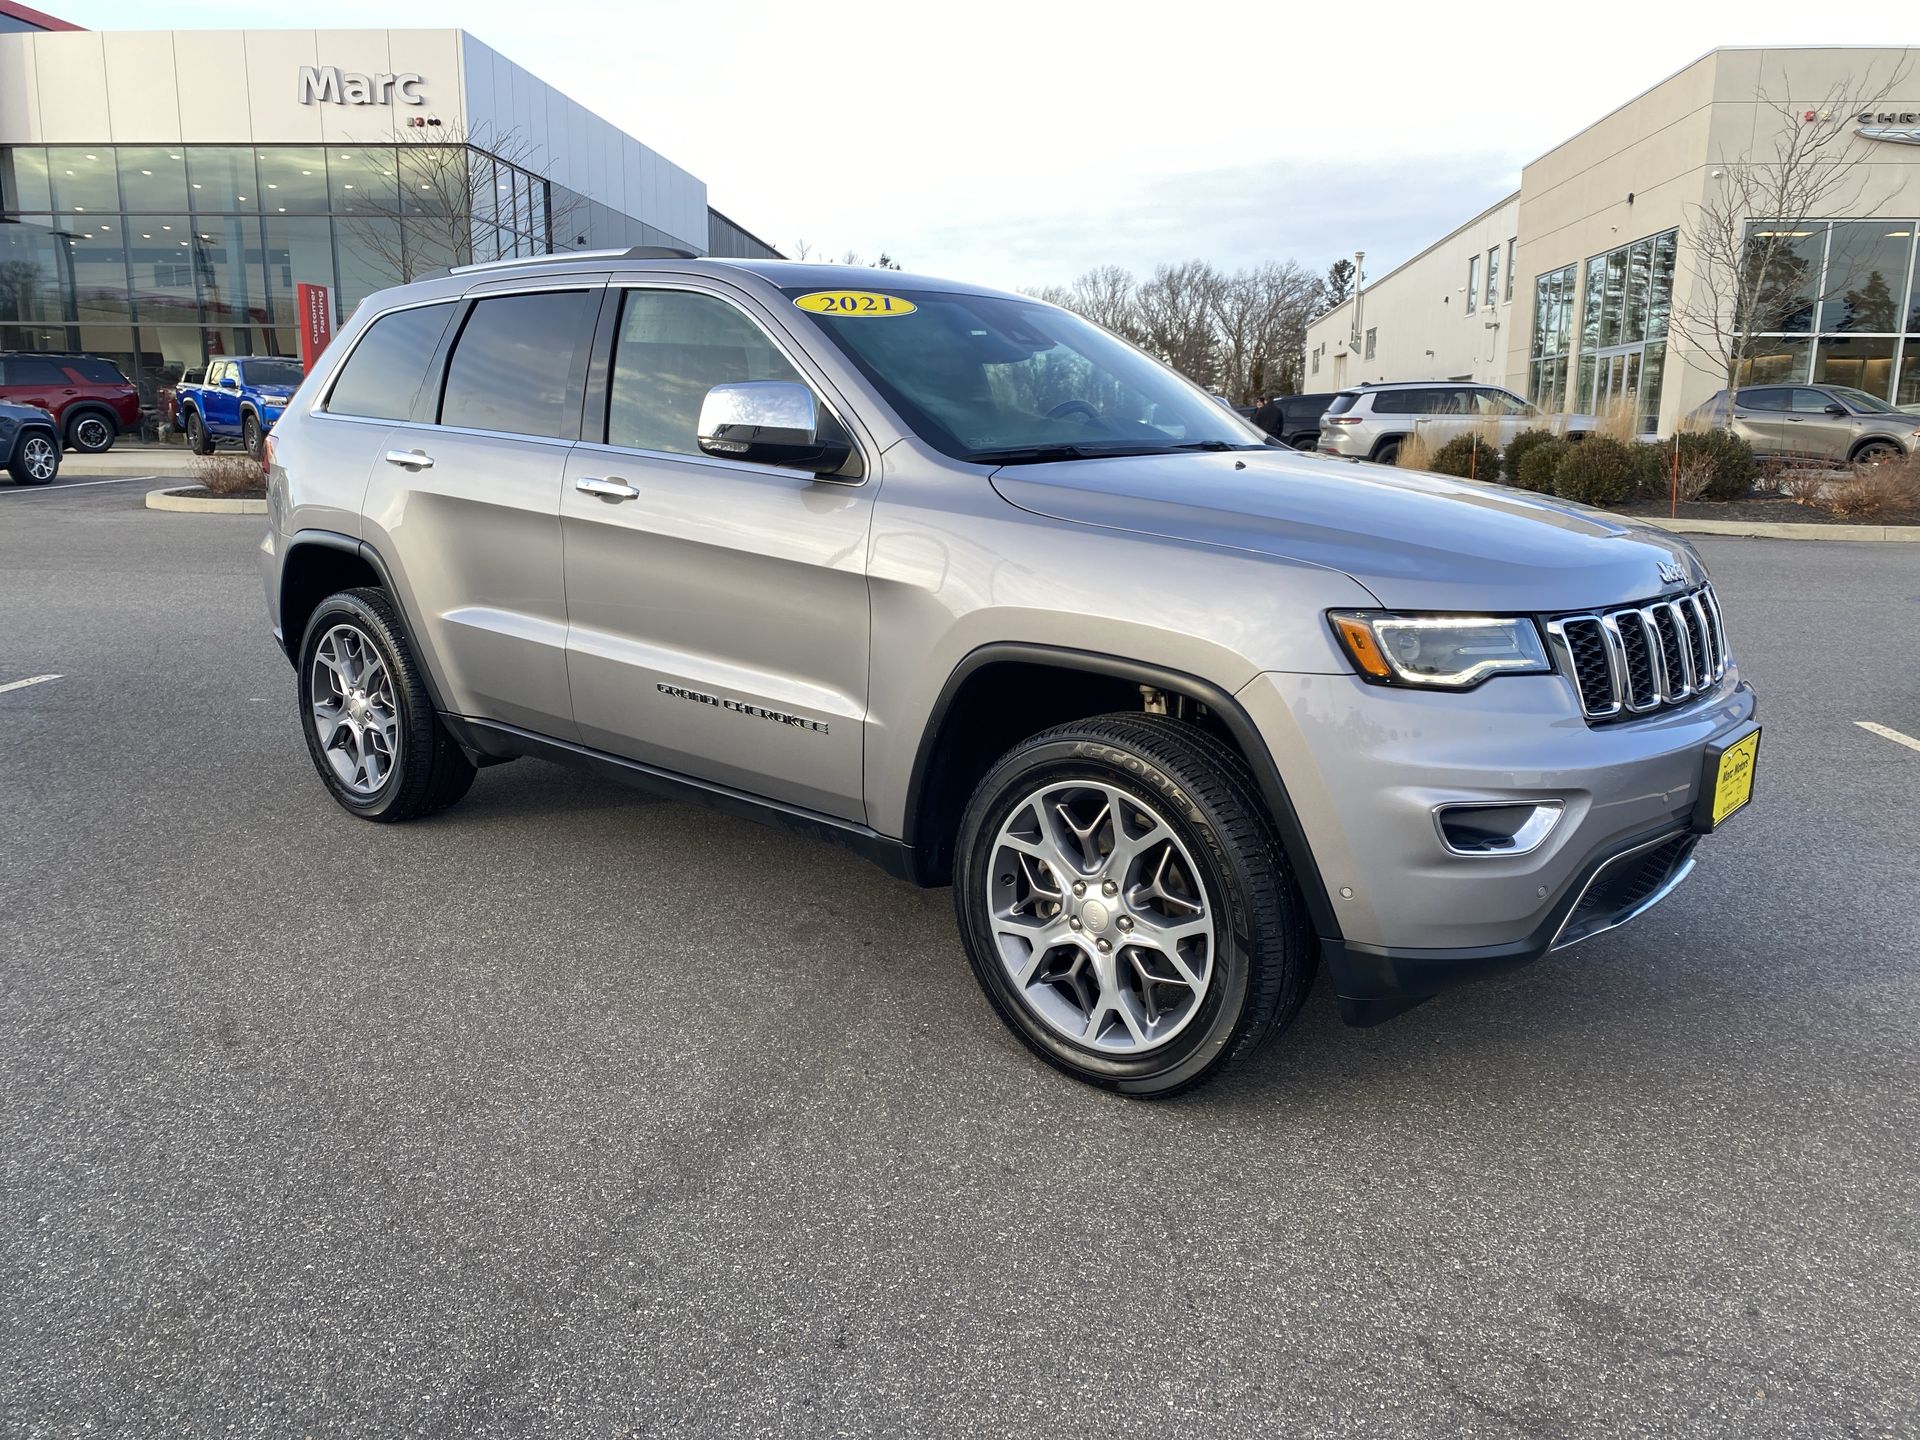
{"points": [[673, 346], [1473, 283], [383, 374], [1493, 275], [1372, 331], [1511, 246], [512, 367]]}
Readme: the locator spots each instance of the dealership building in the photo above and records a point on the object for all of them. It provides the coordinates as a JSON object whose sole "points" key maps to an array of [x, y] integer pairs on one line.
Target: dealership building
{"points": [[164, 194], [1567, 290]]}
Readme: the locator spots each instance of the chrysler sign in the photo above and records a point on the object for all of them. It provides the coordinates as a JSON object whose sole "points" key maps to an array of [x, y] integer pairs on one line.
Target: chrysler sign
{"points": [[1900, 126], [331, 85]]}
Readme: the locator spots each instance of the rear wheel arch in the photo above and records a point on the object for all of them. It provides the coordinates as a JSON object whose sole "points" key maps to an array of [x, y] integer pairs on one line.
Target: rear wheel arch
{"points": [[1000, 694], [318, 564], [1386, 446], [89, 410]]}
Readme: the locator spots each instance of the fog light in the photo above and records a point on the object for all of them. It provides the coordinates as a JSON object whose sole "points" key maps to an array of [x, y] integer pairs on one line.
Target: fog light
{"points": [[1510, 827]]}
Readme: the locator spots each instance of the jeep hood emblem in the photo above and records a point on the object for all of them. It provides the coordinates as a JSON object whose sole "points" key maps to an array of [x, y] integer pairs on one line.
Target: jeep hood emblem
{"points": [[1672, 574]]}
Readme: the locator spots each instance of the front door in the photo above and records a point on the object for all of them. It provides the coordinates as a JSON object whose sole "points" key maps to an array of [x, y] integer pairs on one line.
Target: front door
{"points": [[718, 620], [1811, 430]]}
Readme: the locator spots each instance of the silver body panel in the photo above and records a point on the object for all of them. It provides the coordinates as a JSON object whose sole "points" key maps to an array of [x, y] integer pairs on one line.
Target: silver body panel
{"points": [[832, 615]]}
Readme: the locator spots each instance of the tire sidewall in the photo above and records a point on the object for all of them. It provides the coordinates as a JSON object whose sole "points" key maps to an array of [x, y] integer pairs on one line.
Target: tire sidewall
{"points": [[251, 434], [17, 465], [197, 440], [78, 425], [349, 609], [1208, 1038]]}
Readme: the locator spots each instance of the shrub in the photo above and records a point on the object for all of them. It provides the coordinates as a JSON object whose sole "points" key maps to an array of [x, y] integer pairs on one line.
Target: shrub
{"points": [[1714, 465], [1415, 454], [1467, 456], [1887, 493], [1520, 447], [1598, 470], [1540, 464], [230, 473]]}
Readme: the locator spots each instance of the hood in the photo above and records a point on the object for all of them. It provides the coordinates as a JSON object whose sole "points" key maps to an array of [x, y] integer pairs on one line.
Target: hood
{"points": [[1417, 541], [14, 414]]}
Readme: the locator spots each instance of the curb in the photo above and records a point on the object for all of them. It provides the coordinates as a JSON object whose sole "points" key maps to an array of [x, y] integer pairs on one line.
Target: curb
{"points": [[1783, 529], [123, 459], [204, 504]]}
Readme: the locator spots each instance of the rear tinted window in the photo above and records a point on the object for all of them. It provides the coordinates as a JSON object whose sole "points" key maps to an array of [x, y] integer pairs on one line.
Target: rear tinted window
{"points": [[384, 372], [1341, 404], [32, 370], [512, 367], [1764, 399], [1407, 402], [96, 371]]}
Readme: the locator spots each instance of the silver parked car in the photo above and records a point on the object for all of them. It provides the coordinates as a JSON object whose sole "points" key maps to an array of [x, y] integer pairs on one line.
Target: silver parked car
{"points": [[962, 581], [1371, 422], [1822, 422]]}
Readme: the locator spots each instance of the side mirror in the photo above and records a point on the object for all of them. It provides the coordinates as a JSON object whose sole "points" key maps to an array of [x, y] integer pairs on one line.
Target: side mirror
{"points": [[769, 422], [1834, 407], [227, 382]]}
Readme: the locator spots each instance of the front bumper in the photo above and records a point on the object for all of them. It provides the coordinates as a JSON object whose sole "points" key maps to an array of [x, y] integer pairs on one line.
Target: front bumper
{"points": [[1366, 768]]}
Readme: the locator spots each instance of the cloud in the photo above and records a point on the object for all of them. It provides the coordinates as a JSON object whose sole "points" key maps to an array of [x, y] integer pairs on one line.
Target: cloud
{"points": [[1233, 216]]}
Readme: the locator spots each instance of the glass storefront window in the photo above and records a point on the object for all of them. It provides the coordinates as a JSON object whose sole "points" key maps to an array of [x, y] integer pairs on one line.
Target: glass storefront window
{"points": [[433, 245], [1780, 359], [1783, 276], [23, 179], [1865, 364], [299, 252], [293, 180], [160, 257], [231, 267], [32, 273], [1639, 268], [363, 182], [97, 255], [221, 179], [1590, 315], [1552, 338], [1867, 264], [1652, 371], [369, 255], [153, 177], [1660, 284], [433, 179], [85, 181], [1909, 389]]}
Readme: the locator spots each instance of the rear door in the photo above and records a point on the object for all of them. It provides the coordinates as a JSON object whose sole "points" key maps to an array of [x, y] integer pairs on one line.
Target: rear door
{"points": [[1760, 418], [36, 380], [718, 612], [464, 502]]}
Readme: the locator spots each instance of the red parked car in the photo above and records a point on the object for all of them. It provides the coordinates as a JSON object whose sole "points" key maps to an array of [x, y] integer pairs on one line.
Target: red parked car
{"points": [[89, 398]]}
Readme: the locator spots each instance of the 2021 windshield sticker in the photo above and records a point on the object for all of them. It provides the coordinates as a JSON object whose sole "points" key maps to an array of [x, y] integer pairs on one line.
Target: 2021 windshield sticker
{"points": [[855, 302]]}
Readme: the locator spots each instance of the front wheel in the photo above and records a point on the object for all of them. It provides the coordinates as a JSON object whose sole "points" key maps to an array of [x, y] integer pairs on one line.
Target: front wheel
{"points": [[1875, 452], [36, 460], [250, 434], [1126, 906], [369, 721]]}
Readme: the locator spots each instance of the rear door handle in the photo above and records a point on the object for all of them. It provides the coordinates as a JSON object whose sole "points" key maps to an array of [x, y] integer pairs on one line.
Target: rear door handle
{"points": [[612, 488], [410, 459]]}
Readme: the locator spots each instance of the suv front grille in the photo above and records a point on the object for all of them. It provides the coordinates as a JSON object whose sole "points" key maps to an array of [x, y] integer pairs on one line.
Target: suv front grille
{"points": [[1641, 659]]}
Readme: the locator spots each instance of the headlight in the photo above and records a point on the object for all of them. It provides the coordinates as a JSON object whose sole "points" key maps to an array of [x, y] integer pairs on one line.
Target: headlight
{"points": [[1438, 652]]}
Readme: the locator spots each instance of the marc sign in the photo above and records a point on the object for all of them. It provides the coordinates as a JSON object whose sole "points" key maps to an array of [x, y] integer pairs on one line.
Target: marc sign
{"points": [[329, 84]]}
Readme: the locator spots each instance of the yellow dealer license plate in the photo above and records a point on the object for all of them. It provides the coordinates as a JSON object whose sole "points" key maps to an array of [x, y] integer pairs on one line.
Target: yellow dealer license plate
{"points": [[1727, 784]]}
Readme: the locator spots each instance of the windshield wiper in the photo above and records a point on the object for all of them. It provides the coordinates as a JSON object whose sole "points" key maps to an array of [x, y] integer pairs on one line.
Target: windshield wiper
{"points": [[1040, 454]]}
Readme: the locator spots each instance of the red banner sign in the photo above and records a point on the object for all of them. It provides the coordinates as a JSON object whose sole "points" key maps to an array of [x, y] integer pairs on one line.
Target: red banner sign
{"points": [[316, 322]]}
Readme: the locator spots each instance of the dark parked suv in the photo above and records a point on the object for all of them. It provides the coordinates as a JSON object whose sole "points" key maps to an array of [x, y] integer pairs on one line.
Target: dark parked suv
{"points": [[1294, 418], [90, 400]]}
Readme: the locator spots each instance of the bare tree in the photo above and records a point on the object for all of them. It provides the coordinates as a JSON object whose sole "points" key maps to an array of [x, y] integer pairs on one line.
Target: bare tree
{"points": [[1752, 272], [1260, 319], [438, 200], [1176, 309]]}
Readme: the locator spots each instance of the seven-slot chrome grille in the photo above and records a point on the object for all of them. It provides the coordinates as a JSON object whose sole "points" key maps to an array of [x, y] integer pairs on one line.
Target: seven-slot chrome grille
{"points": [[1639, 659]]}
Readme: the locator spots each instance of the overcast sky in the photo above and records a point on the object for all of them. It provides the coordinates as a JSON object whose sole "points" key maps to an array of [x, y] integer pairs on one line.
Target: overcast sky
{"points": [[1019, 142]]}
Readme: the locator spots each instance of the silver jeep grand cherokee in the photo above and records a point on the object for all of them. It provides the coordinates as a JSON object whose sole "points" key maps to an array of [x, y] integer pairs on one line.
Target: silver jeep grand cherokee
{"points": [[962, 581]]}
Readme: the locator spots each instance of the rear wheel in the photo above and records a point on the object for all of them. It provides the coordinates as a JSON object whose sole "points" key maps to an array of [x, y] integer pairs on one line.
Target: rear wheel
{"points": [[1387, 452], [1126, 906], [369, 721], [92, 433], [198, 441], [36, 459]]}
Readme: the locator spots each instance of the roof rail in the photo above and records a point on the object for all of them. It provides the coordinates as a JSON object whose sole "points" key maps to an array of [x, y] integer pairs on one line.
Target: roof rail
{"points": [[632, 252]]}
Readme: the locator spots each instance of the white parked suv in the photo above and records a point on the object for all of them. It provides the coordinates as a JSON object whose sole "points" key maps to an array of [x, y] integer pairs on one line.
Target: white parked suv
{"points": [[1369, 422]]}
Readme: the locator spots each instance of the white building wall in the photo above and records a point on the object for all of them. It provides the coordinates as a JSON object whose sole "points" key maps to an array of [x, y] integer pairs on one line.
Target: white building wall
{"points": [[1423, 329]]}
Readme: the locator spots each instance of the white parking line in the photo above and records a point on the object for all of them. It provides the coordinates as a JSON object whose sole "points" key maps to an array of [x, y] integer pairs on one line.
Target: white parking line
{"points": [[56, 486], [1888, 734], [30, 680]]}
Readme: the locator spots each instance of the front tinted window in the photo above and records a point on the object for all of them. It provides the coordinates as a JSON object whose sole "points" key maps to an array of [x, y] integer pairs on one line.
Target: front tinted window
{"points": [[672, 348], [1810, 402], [1862, 403], [382, 376], [980, 377], [512, 367]]}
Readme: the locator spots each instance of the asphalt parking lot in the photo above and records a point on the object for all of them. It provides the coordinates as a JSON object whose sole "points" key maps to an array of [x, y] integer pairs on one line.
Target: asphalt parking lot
{"points": [[571, 1112]]}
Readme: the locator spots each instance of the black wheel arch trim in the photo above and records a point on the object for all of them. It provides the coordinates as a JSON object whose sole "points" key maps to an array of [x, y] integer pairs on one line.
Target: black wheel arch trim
{"points": [[1266, 774], [360, 549]]}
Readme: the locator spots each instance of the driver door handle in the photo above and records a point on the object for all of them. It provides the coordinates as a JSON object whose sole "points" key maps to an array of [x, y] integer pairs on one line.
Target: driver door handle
{"points": [[410, 459], [612, 488]]}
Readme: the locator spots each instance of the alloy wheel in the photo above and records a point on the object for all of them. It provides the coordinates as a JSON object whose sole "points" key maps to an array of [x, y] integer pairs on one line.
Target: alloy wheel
{"points": [[92, 433], [354, 714], [1100, 917], [42, 459]]}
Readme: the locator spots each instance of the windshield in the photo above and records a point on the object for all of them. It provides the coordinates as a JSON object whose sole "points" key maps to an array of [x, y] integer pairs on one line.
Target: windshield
{"points": [[1861, 401], [1003, 381], [274, 372]]}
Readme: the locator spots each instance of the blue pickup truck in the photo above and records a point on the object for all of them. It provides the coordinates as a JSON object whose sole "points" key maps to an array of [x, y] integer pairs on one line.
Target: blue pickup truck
{"points": [[239, 400]]}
